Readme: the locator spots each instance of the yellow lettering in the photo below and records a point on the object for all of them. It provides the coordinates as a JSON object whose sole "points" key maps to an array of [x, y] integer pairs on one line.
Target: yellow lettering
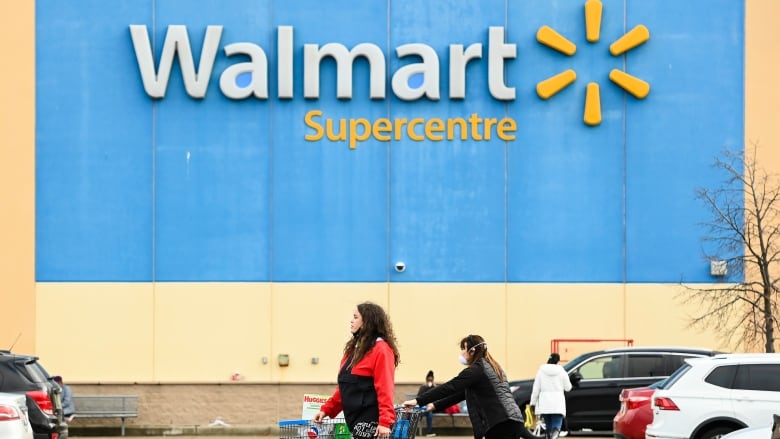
{"points": [[434, 125], [357, 130], [506, 124], [410, 130], [382, 125], [399, 126], [488, 124], [475, 121], [341, 135], [354, 137], [451, 123], [309, 120]]}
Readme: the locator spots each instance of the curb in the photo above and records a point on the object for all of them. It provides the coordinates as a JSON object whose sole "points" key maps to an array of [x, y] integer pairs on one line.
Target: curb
{"points": [[177, 430], [205, 430]]}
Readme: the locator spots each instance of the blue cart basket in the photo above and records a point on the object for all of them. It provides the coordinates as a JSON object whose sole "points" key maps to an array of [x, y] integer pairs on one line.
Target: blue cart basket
{"points": [[405, 427]]}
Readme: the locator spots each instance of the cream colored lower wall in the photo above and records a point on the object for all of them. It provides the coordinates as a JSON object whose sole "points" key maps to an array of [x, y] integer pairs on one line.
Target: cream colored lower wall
{"points": [[206, 332], [96, 332]]}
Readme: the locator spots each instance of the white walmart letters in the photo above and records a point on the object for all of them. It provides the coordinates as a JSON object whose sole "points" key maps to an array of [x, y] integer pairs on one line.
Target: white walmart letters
{"points": [[196, 82]]}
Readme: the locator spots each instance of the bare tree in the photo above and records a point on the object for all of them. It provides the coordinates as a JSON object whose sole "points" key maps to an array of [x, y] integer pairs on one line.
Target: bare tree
{"points": [[744, 234]]}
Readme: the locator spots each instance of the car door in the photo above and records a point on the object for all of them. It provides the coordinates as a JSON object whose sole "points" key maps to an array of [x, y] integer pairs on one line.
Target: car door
{"points": [[593, 403], [645, 368], [756, 393]]}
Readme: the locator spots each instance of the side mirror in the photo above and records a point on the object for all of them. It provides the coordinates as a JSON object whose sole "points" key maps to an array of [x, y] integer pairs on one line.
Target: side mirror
{"points": [[575, 378]]}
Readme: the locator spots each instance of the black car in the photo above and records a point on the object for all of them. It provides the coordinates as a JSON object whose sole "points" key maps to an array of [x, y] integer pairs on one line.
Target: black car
{"points": [[24, 374], [598, 378]]}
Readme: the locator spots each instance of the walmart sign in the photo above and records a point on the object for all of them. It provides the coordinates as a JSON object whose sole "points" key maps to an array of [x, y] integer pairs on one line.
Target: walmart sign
{"points": [[309, 141], [410, 82]]}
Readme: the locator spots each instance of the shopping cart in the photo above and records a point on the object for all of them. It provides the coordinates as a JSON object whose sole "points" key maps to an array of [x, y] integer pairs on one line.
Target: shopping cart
{"points": [[308, 429], [405, 427]]}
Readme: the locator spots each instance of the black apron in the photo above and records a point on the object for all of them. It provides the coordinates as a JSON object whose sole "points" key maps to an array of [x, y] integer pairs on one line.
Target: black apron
{"points": [[359, 401]]}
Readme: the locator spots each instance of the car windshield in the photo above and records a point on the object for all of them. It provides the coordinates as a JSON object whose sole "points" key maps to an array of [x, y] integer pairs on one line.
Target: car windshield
{"points": [[667, 383]]}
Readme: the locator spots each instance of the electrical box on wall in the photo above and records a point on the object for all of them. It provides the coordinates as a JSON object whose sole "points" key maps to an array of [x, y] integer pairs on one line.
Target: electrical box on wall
{"points": [[718, 268]]}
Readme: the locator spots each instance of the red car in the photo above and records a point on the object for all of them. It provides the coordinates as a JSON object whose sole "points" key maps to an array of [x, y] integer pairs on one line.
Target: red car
{"points": [[635, 412]]}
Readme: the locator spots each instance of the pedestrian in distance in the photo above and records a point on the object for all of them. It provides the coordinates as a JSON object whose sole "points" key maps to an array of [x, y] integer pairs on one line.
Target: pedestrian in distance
{"points": [[68, 406], [547, 397], [493, 412], [428, 414], [366, 378]]}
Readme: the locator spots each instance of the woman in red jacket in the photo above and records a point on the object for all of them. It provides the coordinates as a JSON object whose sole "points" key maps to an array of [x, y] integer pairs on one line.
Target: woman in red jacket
{"points": [[366, 376]]}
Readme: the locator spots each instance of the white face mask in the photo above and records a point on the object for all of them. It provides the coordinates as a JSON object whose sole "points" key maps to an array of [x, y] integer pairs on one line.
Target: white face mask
{"points": [[463, 360], [430, 384]]}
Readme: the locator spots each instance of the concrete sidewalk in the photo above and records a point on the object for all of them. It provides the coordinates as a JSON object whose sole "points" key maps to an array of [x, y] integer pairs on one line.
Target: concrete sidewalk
{"points": [[205, 431], [218, 431], [215, 434], [256, 432], [221, 437]]}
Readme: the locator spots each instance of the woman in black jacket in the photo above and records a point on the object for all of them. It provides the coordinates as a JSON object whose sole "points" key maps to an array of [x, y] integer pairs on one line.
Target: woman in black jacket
{"points": [[493, 412]]}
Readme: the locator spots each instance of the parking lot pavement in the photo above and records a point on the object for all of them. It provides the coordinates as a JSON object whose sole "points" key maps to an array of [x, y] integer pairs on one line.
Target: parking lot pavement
{"points": [[275, 437]]}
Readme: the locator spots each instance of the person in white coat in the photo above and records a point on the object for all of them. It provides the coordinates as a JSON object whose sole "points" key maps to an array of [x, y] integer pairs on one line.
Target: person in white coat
{"points": [[547, 397]]}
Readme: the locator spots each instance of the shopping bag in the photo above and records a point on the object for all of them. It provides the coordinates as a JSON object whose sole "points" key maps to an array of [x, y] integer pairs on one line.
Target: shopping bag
{"points": [[530, 417]]}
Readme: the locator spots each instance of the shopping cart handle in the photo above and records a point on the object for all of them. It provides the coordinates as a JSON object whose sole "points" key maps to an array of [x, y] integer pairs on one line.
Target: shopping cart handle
{"points": [[409, 409]]}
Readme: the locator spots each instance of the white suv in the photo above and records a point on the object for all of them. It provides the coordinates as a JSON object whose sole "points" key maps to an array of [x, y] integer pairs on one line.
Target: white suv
{"points": [[709, 397]]}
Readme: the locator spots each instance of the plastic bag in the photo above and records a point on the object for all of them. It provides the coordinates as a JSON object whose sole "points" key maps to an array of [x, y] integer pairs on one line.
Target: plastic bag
{"points": [[530, 417]]}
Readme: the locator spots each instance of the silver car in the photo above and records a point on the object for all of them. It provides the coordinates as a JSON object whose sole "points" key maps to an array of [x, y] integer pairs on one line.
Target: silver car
{"points": [[14, 423]]}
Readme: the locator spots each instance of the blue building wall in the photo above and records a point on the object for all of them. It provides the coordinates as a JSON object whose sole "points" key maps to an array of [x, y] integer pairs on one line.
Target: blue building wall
{"points": [[131, 188]]}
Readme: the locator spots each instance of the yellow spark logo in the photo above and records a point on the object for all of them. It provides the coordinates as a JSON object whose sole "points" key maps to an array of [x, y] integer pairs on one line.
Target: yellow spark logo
{"points": [[552, 85]]}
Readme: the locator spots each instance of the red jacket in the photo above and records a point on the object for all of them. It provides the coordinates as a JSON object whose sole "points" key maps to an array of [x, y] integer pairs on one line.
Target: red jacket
{"points": [[379, 363]]}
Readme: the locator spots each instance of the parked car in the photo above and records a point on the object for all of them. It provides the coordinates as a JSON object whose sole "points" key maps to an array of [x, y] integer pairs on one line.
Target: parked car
{"points": [[14, 423], [635, 412], [24, 374], [711, 397], [599, 377]]}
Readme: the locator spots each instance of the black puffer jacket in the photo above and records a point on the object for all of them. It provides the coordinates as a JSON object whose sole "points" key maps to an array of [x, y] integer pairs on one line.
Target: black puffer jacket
{"points": [[488, 398]]}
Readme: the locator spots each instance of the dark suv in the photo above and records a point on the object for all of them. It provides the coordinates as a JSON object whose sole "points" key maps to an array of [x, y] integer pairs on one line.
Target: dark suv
{"points": [[24, 374], [598, 378]]}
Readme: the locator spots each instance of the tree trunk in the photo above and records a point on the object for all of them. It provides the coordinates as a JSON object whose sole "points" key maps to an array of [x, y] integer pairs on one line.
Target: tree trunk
{"points": [[769, 328]]}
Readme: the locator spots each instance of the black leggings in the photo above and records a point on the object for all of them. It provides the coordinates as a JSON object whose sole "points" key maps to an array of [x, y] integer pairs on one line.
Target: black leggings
{"points": [[508, 429]]}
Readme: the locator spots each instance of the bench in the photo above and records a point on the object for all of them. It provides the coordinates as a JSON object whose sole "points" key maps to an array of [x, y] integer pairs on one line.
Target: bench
{"points": [[451, 420], [106, 406]]}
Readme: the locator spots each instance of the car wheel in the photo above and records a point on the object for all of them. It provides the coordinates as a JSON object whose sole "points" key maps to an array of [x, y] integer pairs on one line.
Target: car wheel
{"points": [[536, 433], [539, 431], [715, 432]]}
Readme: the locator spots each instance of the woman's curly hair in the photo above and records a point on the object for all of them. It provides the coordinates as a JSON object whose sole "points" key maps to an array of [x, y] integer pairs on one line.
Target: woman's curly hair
{"points": [[376, 323]]}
